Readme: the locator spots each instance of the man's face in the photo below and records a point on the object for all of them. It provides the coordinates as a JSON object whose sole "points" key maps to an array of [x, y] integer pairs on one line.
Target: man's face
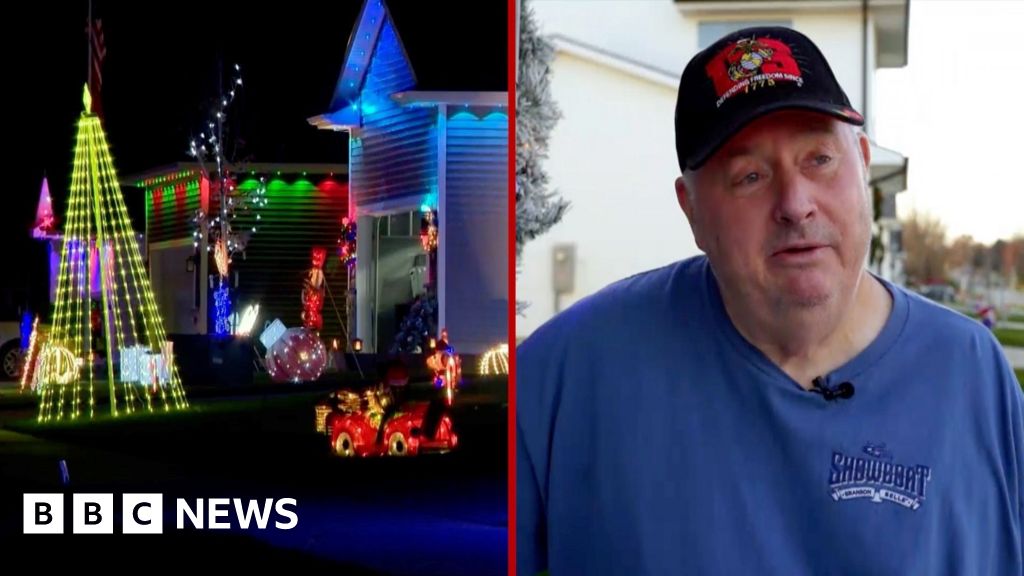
{"points": [[782, 210]]}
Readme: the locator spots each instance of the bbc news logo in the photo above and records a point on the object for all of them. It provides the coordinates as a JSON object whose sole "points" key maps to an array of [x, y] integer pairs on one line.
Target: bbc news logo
{"points": [[144, 513]]}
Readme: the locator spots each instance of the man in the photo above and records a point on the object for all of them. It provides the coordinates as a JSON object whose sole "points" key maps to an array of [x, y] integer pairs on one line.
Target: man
{"points": [[771, 407]]}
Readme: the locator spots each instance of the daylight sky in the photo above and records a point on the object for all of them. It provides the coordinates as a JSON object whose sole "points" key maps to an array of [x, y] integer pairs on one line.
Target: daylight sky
{"points": [[957, 112]]}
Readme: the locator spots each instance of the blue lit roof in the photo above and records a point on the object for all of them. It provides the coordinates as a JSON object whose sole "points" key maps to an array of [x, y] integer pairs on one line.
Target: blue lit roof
{"points": [[443, 56]]}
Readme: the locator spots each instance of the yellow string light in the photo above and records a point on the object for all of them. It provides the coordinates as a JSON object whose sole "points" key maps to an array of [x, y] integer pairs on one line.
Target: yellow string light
{"points": [[98, 220], [495, 360], [28, 370]]}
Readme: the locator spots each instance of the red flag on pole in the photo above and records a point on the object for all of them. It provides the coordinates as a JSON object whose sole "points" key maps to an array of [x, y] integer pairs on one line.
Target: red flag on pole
{"points": [[97, 52]]}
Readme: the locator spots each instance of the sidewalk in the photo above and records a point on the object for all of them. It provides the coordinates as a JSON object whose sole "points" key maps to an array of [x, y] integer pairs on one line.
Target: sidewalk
{"points": [[1015, 356]]}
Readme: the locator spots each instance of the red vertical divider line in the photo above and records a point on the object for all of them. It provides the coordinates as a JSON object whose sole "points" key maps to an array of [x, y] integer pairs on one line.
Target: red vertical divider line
{"points": [[512, 59]]}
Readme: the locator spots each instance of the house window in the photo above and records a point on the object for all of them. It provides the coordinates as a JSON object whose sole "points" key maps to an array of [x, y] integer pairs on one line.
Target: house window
{"points": [[400, 225], [888, 208], [711, 30], [896, 241]]}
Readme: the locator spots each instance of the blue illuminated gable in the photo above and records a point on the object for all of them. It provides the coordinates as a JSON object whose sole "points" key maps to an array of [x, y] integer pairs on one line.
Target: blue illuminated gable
{"points": [[373, 39]]}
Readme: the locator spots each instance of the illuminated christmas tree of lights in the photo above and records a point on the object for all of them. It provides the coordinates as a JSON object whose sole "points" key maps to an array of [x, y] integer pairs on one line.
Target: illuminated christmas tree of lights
{"points": [[101, 270]]}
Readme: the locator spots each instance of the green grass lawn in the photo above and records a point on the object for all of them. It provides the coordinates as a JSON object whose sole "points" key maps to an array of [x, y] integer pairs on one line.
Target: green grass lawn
{"points": [[284, 412], [249, 443], [972, 313], [1009, 337], [216, 424], [1020, 376], [271, 438]]}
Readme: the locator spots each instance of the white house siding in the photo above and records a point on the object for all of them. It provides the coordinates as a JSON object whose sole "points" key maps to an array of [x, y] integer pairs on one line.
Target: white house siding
{"points": [[475, 226], [656, 33], [392, 160], [613, 156], [394, 154]]}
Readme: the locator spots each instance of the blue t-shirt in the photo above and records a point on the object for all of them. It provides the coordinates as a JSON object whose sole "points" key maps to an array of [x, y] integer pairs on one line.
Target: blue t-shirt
{"points": [[652, 438]]}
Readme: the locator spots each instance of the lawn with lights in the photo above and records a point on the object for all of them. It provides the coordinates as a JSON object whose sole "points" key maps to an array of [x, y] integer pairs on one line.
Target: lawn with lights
{"points": [[268, 420]]}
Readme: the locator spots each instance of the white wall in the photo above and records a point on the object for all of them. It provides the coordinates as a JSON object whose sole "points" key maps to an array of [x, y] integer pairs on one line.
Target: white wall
{"points": [[174, 286], [838, 34], [656, 33], [474, 237], [647, 31], [613, 156]]}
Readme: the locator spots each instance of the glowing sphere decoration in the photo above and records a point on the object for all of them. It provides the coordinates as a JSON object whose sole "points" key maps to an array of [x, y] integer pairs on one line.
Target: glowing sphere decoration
{"points": [[297, 356], [495, 361]]}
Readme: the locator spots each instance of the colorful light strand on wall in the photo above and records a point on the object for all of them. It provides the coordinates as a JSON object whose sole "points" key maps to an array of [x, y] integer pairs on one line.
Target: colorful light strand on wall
{"points": [[211, 149], [428, 231], [222, 311], [347, 242]]}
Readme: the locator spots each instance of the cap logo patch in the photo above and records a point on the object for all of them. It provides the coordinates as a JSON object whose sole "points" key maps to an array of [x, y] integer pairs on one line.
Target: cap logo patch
{"points": [[752, 63]]}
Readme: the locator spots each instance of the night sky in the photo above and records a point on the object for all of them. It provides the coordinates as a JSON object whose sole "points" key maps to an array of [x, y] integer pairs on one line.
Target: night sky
{"points": [[160, 77]]}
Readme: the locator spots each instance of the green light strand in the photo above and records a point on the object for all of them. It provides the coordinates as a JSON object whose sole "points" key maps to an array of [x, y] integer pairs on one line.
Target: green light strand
{"points": [[150, 313], [104, 264], [84, 301], [103, 208], [151, 326], [78, 185], [66, 334], [111, 191], [123, 258]]}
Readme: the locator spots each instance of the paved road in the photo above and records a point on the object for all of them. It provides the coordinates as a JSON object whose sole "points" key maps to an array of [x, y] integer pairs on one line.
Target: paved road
{"points": [[1015, 356]]}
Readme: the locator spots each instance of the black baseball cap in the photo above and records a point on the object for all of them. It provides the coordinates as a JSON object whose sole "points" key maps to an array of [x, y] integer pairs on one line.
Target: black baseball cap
{"points": [[745, 75]]}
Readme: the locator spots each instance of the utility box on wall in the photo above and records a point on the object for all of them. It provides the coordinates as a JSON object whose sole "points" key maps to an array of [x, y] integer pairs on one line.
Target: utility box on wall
{"points": [[563, 268]]}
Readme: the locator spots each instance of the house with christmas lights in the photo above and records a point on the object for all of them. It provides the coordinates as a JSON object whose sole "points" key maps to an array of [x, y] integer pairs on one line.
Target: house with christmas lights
{"points": [[296, 208], [428, 181]]}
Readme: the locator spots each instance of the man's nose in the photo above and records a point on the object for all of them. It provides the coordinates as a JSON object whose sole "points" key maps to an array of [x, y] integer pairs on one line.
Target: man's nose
{"points": [[795, 199]]}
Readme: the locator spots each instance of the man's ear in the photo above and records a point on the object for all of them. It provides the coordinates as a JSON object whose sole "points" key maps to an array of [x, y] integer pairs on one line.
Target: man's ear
{"points": [[684, 195], [865, 148]]}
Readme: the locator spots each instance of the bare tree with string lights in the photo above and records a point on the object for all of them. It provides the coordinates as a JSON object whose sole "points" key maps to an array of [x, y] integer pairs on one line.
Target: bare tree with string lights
{"points": [[221, 224]]}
